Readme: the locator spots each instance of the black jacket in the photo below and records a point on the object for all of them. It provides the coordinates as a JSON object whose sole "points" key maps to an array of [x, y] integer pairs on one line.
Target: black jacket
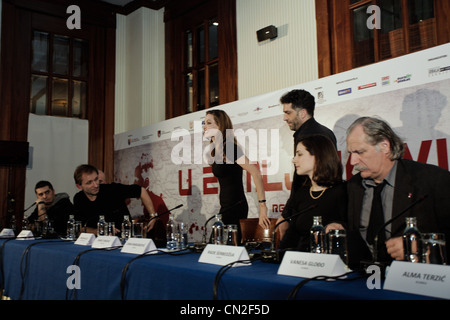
{"points": [[413, 180]]}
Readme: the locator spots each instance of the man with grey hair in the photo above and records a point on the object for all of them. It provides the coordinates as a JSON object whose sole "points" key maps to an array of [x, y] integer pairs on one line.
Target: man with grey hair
{"points": [[376, 153]]}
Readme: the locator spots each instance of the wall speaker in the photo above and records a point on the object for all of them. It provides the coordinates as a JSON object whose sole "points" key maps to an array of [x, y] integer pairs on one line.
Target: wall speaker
{"points": [[270, 32], [13, 153]]}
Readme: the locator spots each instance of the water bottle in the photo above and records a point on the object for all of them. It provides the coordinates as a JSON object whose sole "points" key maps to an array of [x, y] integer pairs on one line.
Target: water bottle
{"points": [[48, 230], [317, 236], [218, 231], [12, 223], [170, 233], [101, 224], [126, 227], [412, 241], [71, 228], [25, 224]]}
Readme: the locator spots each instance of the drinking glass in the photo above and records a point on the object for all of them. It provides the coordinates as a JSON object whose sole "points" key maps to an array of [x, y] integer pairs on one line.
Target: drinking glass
{"points": [[78, 226], [434, 248], [183, 235], [337, 243], [137, 230]]}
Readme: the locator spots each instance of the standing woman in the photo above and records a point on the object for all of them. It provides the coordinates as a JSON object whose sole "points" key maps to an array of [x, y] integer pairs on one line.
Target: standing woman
{"points": [[315, 157], [228, 162]]}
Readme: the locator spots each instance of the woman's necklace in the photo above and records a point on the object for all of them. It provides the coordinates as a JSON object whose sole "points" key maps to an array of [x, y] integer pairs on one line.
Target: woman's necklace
{"points": [[311, 193]]}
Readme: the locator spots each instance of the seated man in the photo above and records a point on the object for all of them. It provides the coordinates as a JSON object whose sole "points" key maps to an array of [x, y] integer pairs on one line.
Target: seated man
{"points": [[54, 206], [376, 152], [109, 200]]}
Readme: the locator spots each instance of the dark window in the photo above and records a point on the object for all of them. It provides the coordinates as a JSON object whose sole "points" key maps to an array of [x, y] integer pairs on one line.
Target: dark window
{"points": [[201, 67], [59, 75], [406, 26]]}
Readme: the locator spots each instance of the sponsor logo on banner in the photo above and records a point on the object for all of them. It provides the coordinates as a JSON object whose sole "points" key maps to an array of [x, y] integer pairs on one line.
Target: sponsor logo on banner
{"points": [[366, 86], [404, 78], [344, 91], [132, 140], [432, 72], [385, 81], [321, 97]]}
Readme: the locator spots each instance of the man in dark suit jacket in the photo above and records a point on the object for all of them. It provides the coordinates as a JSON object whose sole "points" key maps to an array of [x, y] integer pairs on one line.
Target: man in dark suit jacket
{"points": [[298, 109], [376, 152]]}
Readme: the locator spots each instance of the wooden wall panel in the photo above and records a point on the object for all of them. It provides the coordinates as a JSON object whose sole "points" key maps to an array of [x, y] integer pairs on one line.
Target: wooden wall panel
{"points": [[19, 17]]}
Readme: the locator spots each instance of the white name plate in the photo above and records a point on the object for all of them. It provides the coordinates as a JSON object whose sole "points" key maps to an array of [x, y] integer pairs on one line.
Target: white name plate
{"points": [[223, 255], [106, 242], [430, 280], [139, 246], [25, 235], [310, 265], [85, 239], [7, 233]]}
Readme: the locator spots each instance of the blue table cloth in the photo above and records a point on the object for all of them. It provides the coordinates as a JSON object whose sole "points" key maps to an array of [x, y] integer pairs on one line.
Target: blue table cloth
{"points": [[38, 270]]}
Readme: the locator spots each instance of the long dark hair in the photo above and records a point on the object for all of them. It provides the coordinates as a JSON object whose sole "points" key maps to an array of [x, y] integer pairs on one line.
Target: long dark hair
{"points": [[226, 128], [328, 167]]}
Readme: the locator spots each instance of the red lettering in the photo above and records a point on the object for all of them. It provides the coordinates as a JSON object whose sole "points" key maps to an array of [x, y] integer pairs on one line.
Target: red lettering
{"points": [[277, 208], [207, 180], [442, 153], [287, 181], [423, 152], [188, 191]]}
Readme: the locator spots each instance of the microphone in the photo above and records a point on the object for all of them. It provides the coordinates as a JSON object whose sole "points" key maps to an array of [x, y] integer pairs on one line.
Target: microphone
{"points": [[165, 212], [159, 215], [272, 255], [375, 245], [34, 203]]}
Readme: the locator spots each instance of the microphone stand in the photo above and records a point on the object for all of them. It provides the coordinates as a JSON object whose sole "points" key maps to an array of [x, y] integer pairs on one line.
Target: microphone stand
{"points": [[275, 256]]}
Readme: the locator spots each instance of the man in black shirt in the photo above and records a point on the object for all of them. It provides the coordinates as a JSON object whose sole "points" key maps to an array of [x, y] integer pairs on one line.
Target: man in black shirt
{"points": [[109, 200], [298, 109]]}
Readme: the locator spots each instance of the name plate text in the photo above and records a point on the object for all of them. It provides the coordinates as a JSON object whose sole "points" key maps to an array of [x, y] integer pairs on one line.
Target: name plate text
{"points": [[85, 239], [223, 255], [139, 246], [106, 242], [7, 233], [310, 265], [25, 235], [430, 280]]}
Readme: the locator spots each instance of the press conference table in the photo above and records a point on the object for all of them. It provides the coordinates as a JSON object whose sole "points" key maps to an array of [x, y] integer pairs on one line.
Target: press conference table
{"points": [[38, 270]]}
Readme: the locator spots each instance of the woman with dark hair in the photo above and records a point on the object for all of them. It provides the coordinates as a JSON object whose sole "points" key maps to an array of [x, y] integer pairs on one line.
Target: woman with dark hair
{"points": [[315, 157], [228, 162]]}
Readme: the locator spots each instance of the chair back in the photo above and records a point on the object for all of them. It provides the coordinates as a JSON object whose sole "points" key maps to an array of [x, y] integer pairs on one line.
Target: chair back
{"points": [[251, 231]]}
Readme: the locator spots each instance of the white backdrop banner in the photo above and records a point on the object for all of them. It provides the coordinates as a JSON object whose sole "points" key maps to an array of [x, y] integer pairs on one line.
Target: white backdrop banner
{"points": [[412, 93], [57, 146]]}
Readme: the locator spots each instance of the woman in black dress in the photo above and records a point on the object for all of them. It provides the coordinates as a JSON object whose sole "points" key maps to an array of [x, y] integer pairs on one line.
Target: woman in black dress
{"points": [[228, 162], [317, 158]]}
